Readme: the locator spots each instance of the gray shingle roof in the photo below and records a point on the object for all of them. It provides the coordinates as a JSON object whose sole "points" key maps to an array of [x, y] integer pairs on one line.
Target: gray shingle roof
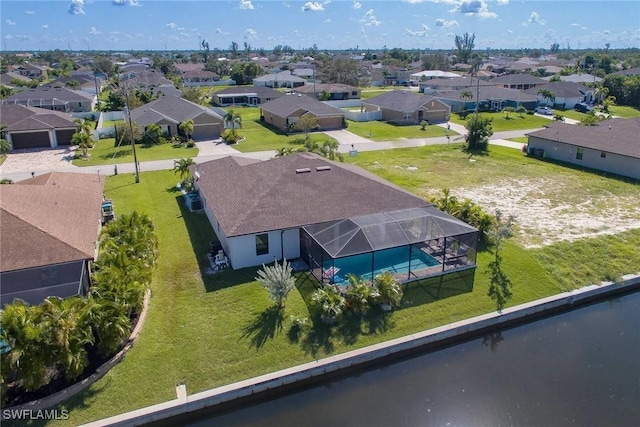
{"points": [[175, 109], [490, 92], [47, 94], [19, 118], [289, 104], [49, 219], [399, 100], [562, 89], [270, 195], [517, 79], [621, 139]]}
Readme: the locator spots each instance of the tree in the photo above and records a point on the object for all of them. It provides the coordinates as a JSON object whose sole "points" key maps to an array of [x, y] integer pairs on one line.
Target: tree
{"points": [[464, 46], [466, 96], [607, 102], [233, 121], [306, 124], [123, 131], [244, 73], [82, 136], [187, 128], [181, 166], [589, 119], [521, 110], [547, 95], [387, 290], [72, 84], [507, 111], [5, 91], [4, 144], [191, 94], [278, 281], [499, 285], [233, 48], [601, 93], [479, 131], [205, 46], [555, 48], [329, 302]]}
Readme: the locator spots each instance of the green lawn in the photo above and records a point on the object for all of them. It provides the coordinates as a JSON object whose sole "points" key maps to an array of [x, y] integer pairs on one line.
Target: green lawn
{"points": [[104, 152], [515, 122], [382, 131], [210, 331], [624, 111], [111, 123], [261, 136], [521, 139], [370, 93]]}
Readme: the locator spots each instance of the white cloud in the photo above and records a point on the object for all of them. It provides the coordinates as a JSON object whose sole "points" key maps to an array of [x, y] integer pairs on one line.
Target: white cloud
{"points": [[327, 21], [575, 24], [357, 5], [30, 12], [94, 31], [9, 22], [24, 37], [446, 24], [534, 18], [246, 5], [183, 34], [370, 19], [509, 31], [8, 37], [219, 31], [250, 34], [312, 6], [474, 7], [45, 26], [76, 7], [125, 3], [413, 33], [285, 4], [172, 25], [503, 2]]}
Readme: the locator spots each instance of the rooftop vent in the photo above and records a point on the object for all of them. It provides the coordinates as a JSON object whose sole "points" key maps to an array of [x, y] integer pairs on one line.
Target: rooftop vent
{"points": [[303, 170], [323, 168]]}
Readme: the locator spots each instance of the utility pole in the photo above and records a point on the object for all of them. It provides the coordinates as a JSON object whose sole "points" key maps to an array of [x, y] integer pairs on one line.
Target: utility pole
{"points": [[133, 143]]}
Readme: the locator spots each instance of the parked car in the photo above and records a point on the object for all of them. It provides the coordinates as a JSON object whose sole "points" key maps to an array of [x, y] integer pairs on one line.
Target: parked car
{"points": [[544, 110], [582, 107]]}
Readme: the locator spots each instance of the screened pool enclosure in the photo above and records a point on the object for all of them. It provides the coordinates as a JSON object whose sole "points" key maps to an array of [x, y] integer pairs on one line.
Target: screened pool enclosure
{"points": [[411, 244]]}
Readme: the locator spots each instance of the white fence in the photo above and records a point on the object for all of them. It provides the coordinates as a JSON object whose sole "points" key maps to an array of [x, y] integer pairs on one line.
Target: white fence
{"points": [[345, 103], [363, 117]]}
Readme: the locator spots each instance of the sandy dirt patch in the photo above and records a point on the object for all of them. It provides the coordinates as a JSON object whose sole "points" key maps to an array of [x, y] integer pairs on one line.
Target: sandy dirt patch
{"points": [[542, 221]]}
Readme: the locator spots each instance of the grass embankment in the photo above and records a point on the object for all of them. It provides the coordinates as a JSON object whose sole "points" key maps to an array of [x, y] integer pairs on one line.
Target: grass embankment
{"points": [[624, 111], [514, 122], [104, 152], [209, 331], [260, 136], [381, 131]]}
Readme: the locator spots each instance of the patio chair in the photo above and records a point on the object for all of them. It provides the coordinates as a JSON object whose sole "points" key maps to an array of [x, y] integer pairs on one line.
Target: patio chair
{"points": [[330, 272]]}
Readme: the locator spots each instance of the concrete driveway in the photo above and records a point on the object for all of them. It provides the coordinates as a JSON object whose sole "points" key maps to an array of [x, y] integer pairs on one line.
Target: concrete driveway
{"points": [[37, 160], [344, 137]]}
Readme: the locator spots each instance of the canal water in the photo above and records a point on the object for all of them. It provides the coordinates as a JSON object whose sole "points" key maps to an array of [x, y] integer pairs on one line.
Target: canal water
{"points": [[580, 368]]}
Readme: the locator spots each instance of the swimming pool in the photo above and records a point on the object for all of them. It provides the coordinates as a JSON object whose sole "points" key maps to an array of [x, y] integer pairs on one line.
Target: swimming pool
{"points": [[394, 260]]}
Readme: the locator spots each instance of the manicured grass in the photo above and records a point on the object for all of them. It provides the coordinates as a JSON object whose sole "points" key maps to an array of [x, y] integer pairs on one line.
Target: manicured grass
{"points": [[261, 136], [624, 111], [515, 122], [3, 157], [570, 114], [370, 93], [207, 331], [104, 152], [522, 139], [111, 123], [382, 131]]}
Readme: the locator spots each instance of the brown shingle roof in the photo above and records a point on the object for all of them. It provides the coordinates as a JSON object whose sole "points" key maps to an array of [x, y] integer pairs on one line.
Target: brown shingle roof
{"points": [[271, 195], [49, 219], [19, 117], [289, 104], [621, 139]]}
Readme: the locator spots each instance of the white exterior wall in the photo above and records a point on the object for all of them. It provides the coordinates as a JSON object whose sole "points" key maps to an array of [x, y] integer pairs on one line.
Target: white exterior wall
{"points": [[612, 163], [242, 249]]}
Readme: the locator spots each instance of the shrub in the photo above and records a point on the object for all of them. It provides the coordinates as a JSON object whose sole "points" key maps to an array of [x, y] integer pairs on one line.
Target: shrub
{"points": [[389, 292], [329, 302], [358, 295], [190, 143], [277, 280]]}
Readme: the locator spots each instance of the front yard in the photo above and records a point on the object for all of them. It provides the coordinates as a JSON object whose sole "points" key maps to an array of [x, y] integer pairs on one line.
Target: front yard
{"points": [[104, 152], [207, 331], [502, 123], [382, 131]]}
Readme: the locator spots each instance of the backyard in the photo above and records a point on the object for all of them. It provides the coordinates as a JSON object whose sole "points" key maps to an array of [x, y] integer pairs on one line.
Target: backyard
{"points": [[104, 152], [206, 331]]}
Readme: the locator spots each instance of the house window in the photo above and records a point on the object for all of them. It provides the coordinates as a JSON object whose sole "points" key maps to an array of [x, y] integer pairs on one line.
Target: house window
{"points": [[407, 116], [262, 244], [579, 153], [354, 93], [603, 154]]}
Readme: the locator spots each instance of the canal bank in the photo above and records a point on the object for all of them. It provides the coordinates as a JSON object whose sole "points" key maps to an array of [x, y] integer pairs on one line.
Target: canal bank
{"points": [[276, 383]]}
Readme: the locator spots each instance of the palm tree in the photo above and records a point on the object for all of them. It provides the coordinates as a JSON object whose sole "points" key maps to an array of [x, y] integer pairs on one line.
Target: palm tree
{"points": [[547, 95], [109, 321], [187, 128], [82, 136], [601, 93], [466, 95], [233, 121], [181, 166], [278, 281], [607, 102], [4, 144]]}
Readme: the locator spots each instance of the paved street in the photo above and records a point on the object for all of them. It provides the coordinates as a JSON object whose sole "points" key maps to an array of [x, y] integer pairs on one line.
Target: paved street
{"points": [[20, 165]]}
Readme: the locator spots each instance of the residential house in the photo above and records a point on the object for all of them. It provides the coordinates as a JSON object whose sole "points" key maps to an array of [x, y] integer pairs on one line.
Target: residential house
{"points": [[33, 72], [146, 79], [612, 146], [50, 226], [280, 79], [84, 83], [491, 98], [408, 107], [284, 112], [457, 83], [11, 80], [629, 72], [54, 98], [32, 127], [332, 215], [245, 95], [567, 94], [170, 112], [433, 74], [518, 81], [329, 91], [390, 75]]}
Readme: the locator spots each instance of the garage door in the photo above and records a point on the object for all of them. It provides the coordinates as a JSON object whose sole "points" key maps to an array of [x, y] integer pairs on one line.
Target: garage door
{"points": [[30, 140], [211, 131], [64, 136]]}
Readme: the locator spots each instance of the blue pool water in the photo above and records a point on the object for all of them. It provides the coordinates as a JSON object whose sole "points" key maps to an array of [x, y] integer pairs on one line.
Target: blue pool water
{"points": [[394, 260]]}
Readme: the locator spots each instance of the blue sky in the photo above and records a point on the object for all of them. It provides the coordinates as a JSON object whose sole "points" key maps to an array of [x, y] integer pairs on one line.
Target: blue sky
{"points": [[336, 24]]}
